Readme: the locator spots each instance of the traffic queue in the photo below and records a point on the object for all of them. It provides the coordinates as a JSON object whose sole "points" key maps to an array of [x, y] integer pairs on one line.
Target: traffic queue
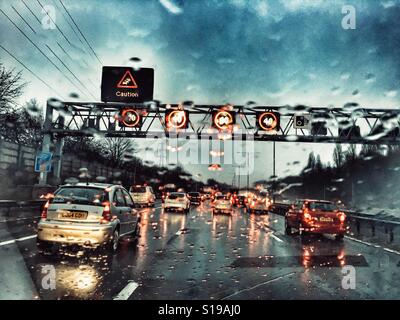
{"points": [[99, 215]]}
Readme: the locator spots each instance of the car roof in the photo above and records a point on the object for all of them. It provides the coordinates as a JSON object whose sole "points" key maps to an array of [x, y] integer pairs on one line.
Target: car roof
{"points": [[91, 185], [315, 200]]}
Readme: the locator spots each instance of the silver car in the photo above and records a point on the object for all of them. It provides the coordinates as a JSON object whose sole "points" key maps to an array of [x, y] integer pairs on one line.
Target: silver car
{"points": [[177, 201], [89, 215], [222, 204], [143, 195]]}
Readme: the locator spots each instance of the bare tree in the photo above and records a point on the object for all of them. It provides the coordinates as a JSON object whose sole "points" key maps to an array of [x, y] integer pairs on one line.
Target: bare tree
{"points": [[338, 156], [118, 150], [11, 87]]}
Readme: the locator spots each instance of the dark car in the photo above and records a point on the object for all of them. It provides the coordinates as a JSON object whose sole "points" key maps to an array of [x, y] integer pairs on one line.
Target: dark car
{"points": [[316, 216], [194, 197], [239, 200]]}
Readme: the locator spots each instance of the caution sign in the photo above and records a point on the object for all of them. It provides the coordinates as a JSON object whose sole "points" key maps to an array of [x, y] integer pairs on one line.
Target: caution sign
{"points": [[126, 85], [127, 81]]}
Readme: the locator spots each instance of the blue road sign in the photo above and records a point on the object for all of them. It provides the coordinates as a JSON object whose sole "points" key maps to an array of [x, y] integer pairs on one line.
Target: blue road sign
{"points": [[43, 162]]}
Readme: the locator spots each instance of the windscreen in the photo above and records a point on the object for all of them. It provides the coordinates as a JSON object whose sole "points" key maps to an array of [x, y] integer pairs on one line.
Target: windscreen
{"points": [[194, 194], [138, 189], [176, 196], [323, 206], [80, 195]]}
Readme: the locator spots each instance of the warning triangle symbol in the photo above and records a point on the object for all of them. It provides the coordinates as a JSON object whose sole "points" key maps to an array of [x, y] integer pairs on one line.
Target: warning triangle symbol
{"points": [[127, 81]]}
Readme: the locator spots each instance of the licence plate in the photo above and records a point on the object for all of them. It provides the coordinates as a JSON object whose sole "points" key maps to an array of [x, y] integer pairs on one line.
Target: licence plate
{"points": [[324, 219], [78, 215]]}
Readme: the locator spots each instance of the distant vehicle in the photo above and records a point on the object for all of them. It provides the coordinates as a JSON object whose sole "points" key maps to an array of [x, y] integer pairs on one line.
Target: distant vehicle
{"points": [[143, 195], [316, 216], [194, 197], [177, 201], [167, 189], [239, 200], [89, 215], [207, 195], [222, 204], [258, 204]]}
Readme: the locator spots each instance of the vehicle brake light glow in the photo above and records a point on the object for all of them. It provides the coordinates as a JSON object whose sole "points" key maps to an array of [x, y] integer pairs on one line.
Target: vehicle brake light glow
{"points": [[342, 217], [106, 213], [44, 211], [306, 215]]}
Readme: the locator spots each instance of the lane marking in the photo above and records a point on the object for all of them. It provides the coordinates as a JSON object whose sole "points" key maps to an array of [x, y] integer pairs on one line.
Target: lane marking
{"points": [[269, 231], [275, 237], [373, 245], [18, 219], [259, 285], [392, 251], [4, 243], [126, 292]]}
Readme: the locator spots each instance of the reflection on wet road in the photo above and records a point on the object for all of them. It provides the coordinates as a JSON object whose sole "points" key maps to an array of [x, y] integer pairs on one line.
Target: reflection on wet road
{"points": [[206, 256]]}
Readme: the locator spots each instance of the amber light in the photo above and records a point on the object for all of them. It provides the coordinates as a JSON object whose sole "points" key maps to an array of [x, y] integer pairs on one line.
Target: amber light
{"points": [[306, 215], [342, 217]]}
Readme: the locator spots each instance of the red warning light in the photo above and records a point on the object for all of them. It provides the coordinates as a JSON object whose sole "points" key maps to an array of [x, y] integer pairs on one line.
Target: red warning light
{"points": [[176, 119], [223, 119]]}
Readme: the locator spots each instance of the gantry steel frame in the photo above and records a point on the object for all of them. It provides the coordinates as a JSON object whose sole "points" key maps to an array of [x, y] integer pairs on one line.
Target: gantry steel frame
{"points": [[89, 118], [93, 118]]}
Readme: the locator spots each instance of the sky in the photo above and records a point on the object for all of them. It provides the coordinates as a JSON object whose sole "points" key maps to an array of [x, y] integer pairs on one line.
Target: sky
{"points": [[273, 52]]}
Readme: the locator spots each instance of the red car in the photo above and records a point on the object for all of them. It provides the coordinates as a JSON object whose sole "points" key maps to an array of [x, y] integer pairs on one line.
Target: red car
{"points": [[316, 216]]}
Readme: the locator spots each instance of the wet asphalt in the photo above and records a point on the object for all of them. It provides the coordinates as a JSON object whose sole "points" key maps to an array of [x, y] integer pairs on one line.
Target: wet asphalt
{"points": [[206, 256]]}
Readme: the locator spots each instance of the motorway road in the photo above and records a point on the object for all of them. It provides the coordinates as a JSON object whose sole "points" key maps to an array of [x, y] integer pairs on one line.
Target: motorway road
{"points": [[199, 256]]}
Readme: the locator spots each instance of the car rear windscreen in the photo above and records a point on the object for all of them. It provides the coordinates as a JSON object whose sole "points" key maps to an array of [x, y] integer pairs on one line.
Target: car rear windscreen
{"points": [[323, 206], [80, 195], [176, 196], [194, 194], [138, 189], [221, 198]]}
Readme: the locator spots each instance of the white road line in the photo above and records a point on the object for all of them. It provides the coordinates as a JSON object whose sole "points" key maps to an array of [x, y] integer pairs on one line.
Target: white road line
{"points": [[259, 285], [391, 251], [126, 292], [4, 243], [373, 245], [18, 219], [179, 233], [269, 231], [363, 242], [275, 237]]}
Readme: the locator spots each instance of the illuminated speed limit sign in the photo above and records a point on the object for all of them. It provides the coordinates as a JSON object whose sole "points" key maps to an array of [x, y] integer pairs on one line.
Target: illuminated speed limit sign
{"points": [[177, 119], [223, 119], [130, 118], [268, 121]]}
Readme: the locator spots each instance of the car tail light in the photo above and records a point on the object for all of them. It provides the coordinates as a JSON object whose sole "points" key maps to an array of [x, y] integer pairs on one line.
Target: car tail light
{"points": [[44, 211], [306, 215], [342, 217], [106, 213]]}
